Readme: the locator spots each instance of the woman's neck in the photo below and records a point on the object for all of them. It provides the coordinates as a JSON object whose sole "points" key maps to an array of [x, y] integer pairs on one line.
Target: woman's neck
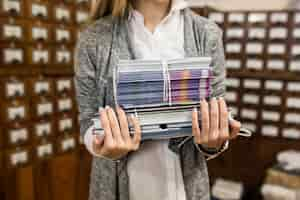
{"points": [[153, 11]]}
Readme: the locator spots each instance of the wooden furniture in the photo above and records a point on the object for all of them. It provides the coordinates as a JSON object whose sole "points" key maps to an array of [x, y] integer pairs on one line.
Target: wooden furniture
{"points": [[40, 152], [41, 156], [263, 54]]}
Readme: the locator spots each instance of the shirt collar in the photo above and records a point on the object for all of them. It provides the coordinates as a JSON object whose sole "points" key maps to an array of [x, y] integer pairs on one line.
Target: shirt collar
{"points": [[177, 5]]}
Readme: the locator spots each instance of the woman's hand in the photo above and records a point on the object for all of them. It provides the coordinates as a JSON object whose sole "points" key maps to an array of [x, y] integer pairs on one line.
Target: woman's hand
{"points": [[117, 141], [215, 124]]}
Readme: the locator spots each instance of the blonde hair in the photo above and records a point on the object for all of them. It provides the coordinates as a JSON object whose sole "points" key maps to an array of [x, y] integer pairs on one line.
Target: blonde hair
{"points": [[102, 8]]}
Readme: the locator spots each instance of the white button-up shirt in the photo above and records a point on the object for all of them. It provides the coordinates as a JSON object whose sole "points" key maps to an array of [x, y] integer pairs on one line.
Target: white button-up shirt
{"points": [[154, 170]]}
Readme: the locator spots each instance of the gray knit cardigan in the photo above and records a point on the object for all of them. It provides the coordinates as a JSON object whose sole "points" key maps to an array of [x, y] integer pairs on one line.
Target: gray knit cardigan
{"points": [[101, 45]]}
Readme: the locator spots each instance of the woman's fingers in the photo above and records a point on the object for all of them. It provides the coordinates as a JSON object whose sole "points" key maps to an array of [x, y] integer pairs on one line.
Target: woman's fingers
{"points": [[224, 127], [215, 125], [137, 133], [117, 141], [195, 126], [114, 124], [204, 121], [106, 126], [214, 122], [123, 124], [235, 127], [109, 143]]}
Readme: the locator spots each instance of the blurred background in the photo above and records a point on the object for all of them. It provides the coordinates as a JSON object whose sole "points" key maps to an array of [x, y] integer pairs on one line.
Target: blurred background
{"points": [[41, 153]]}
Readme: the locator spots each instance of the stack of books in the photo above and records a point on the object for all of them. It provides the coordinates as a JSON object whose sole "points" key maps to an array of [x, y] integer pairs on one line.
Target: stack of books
{"points": [[162, 94], [140, 84]]}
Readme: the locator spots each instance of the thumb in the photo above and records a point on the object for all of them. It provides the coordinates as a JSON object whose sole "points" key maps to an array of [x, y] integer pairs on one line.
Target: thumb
{"points": [[235, 127]]}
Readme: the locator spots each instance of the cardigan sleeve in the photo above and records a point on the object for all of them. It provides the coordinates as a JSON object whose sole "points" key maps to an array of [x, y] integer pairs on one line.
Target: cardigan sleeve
{"points": [[216, 51], [85, 80], [214, 46]]}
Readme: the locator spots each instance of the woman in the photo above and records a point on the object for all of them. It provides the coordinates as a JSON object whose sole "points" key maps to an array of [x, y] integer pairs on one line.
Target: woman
{"points": [[123, 168]]}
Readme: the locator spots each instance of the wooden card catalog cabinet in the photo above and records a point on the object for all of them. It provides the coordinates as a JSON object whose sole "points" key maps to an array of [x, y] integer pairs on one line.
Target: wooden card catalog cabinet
{"points": [[237, 33], [66, 144], [250, 99], [13, 88], [291, 133], [82, 3], [81, 16], [39, 9], [279, 18], [269, 130], [68, 2], [254, 48], [293, 103], [273, 85], [233, 83], [255, 63], [12, 30], [12, 7], [15, 111], [64, 177], [294, 65], [231, 97], [276, 64], [44, 150], [296, 18], [12, 55], [40, 86], [278, 33], [296, 34], [292, 118], [257, 18], [236, 18], [217, 17], [64, 86], [63, 34], [233, 63], [63, 55], [295, 50], [65, 104], [293, 87], [43, 129], [17, 134], [2, 173], [257, 33], [1, 141], [271, 116], [77, 121], [233, 48], [62, 14], [39, 32], [249, 114], [83, 173], [18, 157], [39, 55], [65, 123], [43, 107], [276, 49], [252, 84], [272, 101], [80, 139]]}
